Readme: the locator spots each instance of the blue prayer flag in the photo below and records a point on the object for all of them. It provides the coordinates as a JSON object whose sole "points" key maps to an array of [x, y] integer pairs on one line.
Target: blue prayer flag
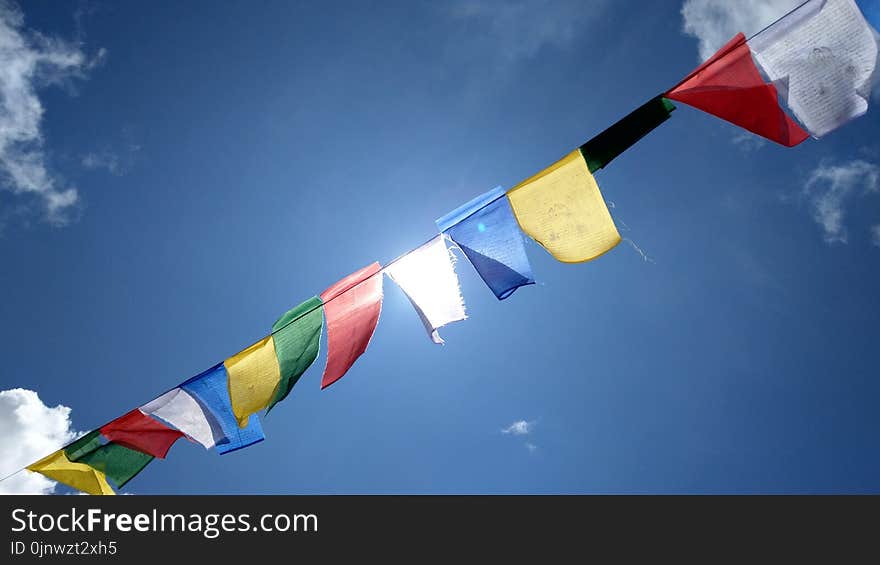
{"points": [[211, 390], [486, 230]]}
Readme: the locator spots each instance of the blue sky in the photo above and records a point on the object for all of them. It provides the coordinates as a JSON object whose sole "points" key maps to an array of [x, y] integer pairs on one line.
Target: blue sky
{"points": [[229, 162]]}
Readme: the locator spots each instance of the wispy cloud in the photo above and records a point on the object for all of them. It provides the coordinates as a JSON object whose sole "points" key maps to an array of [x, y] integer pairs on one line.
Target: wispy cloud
{"points": [[830, 187], [875, 235], [31, 430], [116, 162], [519, 428], [117, 157], [28, 61], [103, 159], [748, 142], [524, 429], [519, 29]]}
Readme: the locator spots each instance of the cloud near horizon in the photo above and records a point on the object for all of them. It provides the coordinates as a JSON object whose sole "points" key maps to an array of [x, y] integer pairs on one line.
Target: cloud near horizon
{"points": [[32, 430]]}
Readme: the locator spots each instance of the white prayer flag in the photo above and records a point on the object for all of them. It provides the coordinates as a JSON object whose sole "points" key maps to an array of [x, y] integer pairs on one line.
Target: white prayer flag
{"points": [[185, 413], [822, 57], [428, 278]]}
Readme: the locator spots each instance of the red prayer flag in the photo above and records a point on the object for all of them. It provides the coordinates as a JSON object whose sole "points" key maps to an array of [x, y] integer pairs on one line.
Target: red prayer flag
{"points": [[729, 86], [351, 307], [140, 432]]}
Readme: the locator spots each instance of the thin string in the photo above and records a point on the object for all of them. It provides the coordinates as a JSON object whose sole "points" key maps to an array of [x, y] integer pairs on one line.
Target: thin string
{"points": [[790, 12], [9, 476], [396, 259]]}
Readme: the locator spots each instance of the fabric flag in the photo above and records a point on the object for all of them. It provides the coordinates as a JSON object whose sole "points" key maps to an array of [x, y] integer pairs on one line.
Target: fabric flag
{"points": [[211, 390], [118, 463], [823, 57], [254, 375], [297, 336], [75, 475], [352, 307], [84, 445], [562, 209], [606, 146], [138, 431], [427, 277], [729, 86], [486, 231], [181, 410]]}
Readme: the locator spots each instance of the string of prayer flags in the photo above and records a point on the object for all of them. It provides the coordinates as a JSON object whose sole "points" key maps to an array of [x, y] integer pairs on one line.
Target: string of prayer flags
{"points": [[562, 209], [352, 307], [823, 56], [254, 375], [211, 389], [489, 236], [609, 144], [135, 430], [180, 409], [297, 337], [427, 277], [729, 86], [79, 476]]}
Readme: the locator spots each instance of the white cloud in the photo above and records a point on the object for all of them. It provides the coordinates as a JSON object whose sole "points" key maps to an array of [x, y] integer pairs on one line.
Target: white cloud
{"points": [[106, 159], [116, 161], [748, 142], [875, 234], [524, 429], [31, 430], [519, 428], [29, 60], [715, 22], [830, 187], [519, 29]]}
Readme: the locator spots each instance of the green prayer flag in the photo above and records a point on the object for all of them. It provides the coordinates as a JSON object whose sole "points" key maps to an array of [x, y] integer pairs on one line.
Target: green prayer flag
{"points": [[117, 462], [606, 146], [297, 336], [83, 446]]}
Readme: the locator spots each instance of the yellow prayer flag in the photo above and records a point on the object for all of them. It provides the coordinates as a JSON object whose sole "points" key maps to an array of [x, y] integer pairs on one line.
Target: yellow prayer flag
{"points": [[562, 209], [253, 376], [75, 475]]}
